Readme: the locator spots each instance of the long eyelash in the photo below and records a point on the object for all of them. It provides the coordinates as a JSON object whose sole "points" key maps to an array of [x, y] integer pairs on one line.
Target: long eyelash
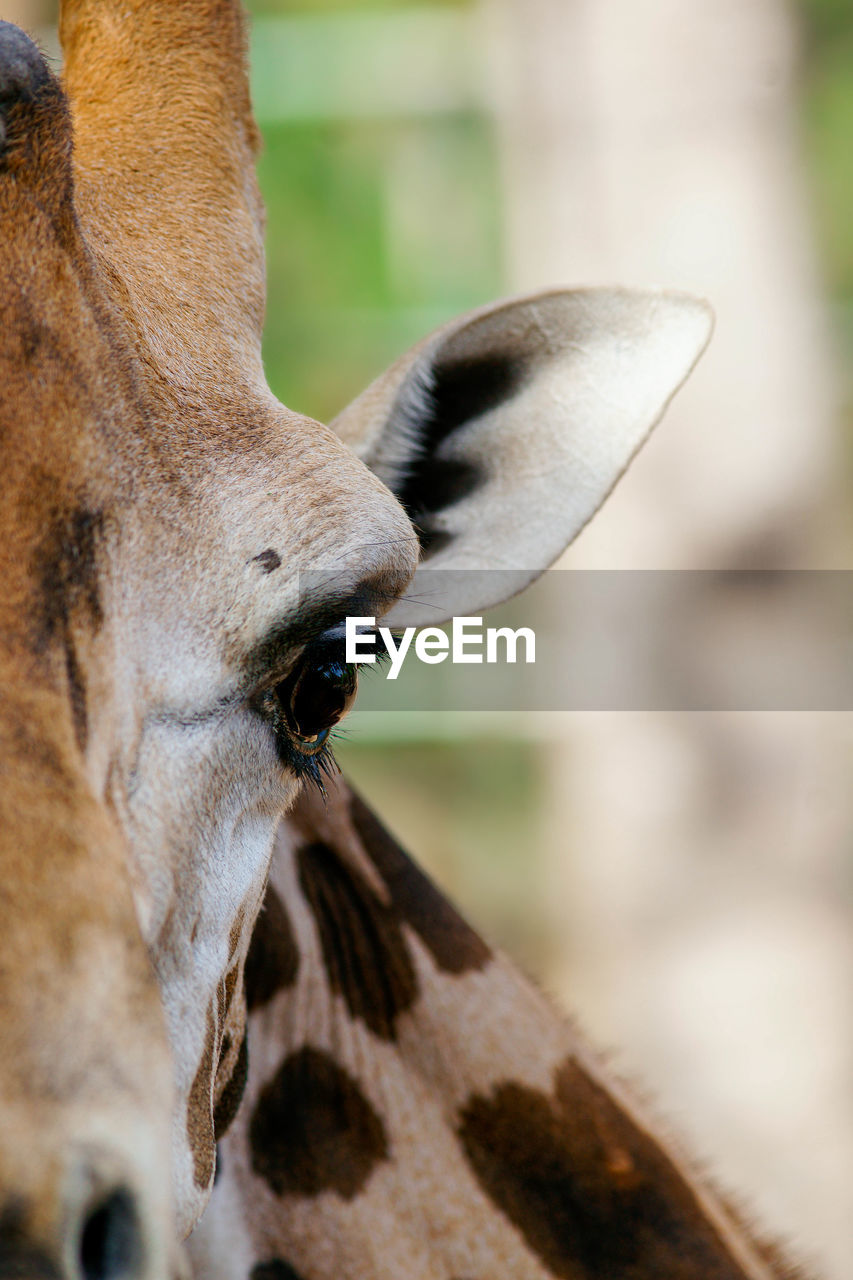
{"points": [[313, 769], [383, 657]]}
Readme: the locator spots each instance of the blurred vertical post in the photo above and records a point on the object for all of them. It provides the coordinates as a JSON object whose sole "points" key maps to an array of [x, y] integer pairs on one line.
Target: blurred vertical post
{"points": [[29, 14], [699, 860]]}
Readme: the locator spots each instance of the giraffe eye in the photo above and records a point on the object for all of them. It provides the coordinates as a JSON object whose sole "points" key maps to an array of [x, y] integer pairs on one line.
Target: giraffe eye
{"points": [[316, 695]]}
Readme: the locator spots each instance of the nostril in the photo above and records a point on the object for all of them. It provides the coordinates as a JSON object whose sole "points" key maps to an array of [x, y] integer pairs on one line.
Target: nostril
{"points": [[22, 68], [111, 1239]]}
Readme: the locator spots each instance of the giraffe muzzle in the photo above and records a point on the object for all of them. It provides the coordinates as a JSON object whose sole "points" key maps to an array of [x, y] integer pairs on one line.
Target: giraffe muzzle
{"points": [[85, 1074], [23, 70], [23, 74]]}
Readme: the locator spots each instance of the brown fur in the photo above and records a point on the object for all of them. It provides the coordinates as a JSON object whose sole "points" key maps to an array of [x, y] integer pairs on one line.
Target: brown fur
{"points": [[67, 910]]}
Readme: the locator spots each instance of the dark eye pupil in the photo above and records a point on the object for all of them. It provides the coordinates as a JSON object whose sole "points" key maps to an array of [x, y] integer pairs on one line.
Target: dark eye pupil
{"points": [[318, 694]]}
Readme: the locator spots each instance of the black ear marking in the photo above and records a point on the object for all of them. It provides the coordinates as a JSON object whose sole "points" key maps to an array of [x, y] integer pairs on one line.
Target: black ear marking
{"points": [[446, 482], [466, 388], [461, 390]]}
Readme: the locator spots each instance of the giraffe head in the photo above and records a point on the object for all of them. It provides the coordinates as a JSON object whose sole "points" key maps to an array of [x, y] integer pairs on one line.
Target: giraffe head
{"points": [[166, 688]]}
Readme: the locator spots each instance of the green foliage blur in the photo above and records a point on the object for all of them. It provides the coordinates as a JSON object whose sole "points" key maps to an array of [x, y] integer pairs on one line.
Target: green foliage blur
{"points": [[348, 290], [340, 6], [380, 225], [828, 133], [356, 273]]}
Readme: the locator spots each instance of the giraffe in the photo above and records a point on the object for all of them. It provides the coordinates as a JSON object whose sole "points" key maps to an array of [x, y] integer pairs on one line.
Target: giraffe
{"points": [[168, 689], [416, 1107]]}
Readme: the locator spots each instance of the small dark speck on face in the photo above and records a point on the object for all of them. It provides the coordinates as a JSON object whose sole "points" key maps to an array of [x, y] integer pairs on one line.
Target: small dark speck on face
{"points": [[269, 560]]}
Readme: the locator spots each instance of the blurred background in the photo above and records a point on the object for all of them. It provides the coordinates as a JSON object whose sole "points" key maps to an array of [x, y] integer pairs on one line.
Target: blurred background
{"points": [[684, 882]]}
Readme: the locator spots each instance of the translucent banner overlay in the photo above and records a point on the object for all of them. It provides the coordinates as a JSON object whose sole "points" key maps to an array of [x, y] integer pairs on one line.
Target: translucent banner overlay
{"points": [[746, 640]]}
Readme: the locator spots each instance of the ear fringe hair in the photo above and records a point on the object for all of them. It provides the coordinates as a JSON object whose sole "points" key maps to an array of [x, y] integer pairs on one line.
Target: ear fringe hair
{"points": [[401, 444]]}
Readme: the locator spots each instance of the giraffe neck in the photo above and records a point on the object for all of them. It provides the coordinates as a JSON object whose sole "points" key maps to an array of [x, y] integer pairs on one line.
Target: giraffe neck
{"points": [[415, 1107]]}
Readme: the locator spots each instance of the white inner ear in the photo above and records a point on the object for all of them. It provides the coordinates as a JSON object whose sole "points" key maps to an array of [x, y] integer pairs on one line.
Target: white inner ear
{"points": [[596, 370]]}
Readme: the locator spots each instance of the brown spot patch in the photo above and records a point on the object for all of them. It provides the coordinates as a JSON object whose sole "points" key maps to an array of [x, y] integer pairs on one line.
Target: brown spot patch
{"points": [[313, 1130], [225, 993], [274, 1269], [232, 1094], [66, 573], [590, 1192], [273, 959], [451, 941], [77, 691], [269, 560], [200, 1112], [66, 570], [365, 954]]}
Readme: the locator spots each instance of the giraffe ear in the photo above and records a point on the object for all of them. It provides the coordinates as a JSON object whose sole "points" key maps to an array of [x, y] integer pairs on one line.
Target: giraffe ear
{"points": [[504, 431]]}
